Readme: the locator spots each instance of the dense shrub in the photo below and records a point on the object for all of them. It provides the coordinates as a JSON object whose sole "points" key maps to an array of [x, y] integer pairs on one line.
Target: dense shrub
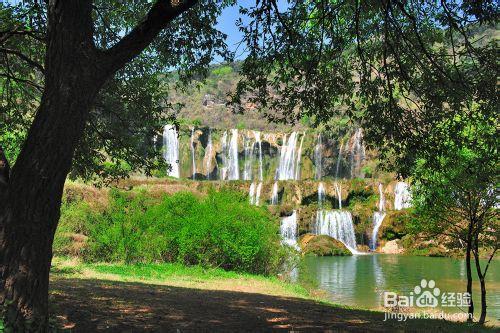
{"points": [[71, 233], [219, 230]]}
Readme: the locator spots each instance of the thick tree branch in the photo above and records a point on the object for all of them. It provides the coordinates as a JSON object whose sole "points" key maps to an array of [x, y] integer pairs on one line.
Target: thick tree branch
{"points": [[159, 16]]}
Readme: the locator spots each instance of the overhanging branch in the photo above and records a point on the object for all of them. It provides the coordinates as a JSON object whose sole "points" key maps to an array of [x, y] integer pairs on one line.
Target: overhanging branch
{"points": [[24, 57], [159, 16]]}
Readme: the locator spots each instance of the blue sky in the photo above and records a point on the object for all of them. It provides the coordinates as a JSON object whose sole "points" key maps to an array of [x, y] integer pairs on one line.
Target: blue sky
{"points": [[227, 24]]}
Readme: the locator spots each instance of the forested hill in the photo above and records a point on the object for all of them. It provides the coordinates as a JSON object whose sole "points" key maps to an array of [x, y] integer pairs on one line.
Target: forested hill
{"points": [[205, 104]]}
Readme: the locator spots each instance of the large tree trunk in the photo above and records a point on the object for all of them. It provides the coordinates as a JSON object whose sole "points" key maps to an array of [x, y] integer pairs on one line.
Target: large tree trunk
{"points": [[33, 194], [31, 197]]}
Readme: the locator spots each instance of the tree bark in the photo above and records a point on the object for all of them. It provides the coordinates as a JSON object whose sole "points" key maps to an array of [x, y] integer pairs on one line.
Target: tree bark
{"points": [[4, 169], [482, 283], [33, 196], [470, 317], [74, 72]]}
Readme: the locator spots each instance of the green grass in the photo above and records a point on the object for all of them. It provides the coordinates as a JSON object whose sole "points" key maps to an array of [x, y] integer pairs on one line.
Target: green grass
{"points": [[177, 273]]}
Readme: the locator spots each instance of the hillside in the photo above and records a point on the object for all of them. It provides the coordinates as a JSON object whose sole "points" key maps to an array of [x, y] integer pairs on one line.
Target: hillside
{"points": [[204, 103]]}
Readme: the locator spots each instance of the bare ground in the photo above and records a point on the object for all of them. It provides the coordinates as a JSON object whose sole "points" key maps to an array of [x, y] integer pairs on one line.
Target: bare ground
{"points": [[93, 305]]}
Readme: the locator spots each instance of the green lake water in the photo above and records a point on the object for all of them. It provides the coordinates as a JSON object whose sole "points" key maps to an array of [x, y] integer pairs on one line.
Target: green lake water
{"points": [[360, 281]]}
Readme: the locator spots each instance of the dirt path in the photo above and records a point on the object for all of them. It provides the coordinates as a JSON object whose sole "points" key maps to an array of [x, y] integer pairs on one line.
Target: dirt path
{"points": [[97, 305]]}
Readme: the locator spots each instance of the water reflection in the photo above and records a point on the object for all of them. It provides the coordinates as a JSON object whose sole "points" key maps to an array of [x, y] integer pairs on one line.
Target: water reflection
{"points": [[361, 280]]}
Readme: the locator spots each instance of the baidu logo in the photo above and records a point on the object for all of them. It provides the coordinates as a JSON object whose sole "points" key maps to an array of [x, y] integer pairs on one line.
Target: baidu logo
{"points": [[427, 294]]}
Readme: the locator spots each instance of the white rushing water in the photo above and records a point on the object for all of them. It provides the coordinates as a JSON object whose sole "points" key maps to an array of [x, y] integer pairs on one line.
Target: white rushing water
{"points": [[193, 153], [258, 143], [402, 196], [224, 148], [357, 153], [318, 160], [337, 224], [378, 217], [274, 194], [299, 158], [251, 193], [321, 194], [171, 150], [233, 170], [338, 193], [339, 158], [257, 194], [248, 150], [288, 230], [208, 155], [254, 193], [287, 165], [381, 201]]}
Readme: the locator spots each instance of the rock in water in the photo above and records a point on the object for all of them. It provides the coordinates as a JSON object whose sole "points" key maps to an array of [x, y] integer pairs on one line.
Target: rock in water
{"points": [[322, 245], [393, 247]]}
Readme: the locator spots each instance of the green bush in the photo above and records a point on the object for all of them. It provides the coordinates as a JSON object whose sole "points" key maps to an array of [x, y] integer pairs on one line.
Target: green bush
{"points": [[219, 230], [75, 218]]}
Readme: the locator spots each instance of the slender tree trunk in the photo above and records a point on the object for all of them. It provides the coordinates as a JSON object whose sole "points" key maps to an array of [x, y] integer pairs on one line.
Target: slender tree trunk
{"points": [[470, 317], [33, 194], [482, 282]]}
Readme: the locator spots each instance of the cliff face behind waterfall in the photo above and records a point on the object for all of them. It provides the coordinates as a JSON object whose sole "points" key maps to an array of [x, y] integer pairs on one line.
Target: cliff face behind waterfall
{"points": [[299, 155]]}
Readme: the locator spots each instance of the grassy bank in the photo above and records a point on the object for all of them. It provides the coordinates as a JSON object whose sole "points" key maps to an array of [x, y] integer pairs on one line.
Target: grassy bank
{"points": [[179, 275]]}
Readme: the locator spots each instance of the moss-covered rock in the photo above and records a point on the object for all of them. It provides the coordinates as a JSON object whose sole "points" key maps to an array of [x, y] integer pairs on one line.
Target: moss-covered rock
{"points": [[394, 225], [416, 245], [322, 245]]}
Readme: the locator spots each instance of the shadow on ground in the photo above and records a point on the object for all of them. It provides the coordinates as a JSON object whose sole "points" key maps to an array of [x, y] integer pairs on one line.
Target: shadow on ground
{"points": [[97, 305]]}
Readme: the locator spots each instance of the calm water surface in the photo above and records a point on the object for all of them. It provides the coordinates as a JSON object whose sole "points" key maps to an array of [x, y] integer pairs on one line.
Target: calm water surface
{"points": [[361, 280]]}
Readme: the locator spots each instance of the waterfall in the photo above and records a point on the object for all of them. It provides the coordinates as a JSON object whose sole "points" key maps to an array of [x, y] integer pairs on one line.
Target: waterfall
{"points": [[274, 195], [192, 153], [381, 201], [224, 147], [171, 150], [338, 191], [288, 230], [299, 157], [248, 150], [339, 158], [286, 168], [337, 224], [257, 194], [232, 166], [318, 158], [258, 142], [378, 217], [402, 196], [321, 194], [254, 193], [208, 155], [251, 194], [357, 153]]}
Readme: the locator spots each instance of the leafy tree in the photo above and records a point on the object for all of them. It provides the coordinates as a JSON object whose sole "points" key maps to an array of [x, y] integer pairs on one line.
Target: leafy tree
{"points": [[411, 72], [79, 87], [456, 194]]}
